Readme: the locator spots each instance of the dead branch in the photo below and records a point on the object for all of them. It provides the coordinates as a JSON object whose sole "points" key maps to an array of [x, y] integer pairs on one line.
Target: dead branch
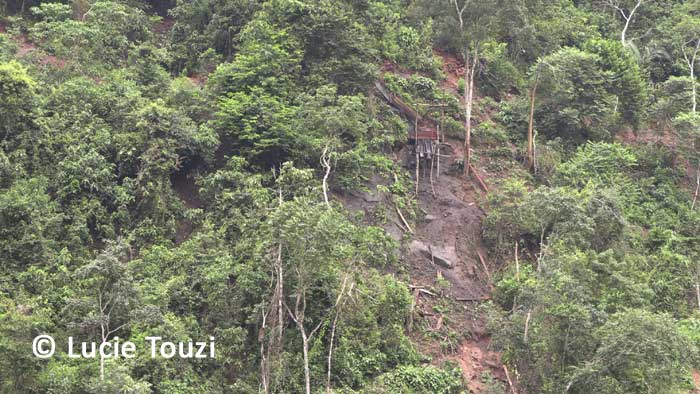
{"points": [[403, 219], [326, 163], [467, 299], [432, 185], [338, 306], [416, 295], [517, 263], [421, 289], [510, 382], [697, 188], [486, 269], [424, 291], [478, 178]]}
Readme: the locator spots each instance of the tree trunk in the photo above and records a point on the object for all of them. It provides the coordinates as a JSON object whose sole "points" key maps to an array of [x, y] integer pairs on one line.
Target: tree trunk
{"points": [[298, 317], [104, 332], [690, 61], [338, 305], [307, 372], [415, 146], [325, 161], [467, 114], [697, 291], [330, 354], [102, 359], [527, 326], [469, 72], [693, 84], [530, 128], [280, 287], [697, 187], [264, 366], [628, 19]]}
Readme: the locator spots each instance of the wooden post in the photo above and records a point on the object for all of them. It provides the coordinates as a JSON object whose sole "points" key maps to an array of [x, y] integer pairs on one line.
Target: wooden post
{"points": [[415, 145], [438, 152], [432, 163], [517, 263], [440, 131]]}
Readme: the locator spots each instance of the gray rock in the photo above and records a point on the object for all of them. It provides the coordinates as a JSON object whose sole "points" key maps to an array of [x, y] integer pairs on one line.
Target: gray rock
{"points": [[442, 256], [371, 195], [418, 247], [394, 231]]}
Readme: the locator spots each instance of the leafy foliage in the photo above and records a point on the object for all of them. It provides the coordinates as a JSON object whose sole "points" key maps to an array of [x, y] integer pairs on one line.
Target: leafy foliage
{"points": [[179, 169]]}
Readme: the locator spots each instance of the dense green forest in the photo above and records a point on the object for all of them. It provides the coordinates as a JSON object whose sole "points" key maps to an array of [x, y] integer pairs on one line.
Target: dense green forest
{"points": [[245, 172]]}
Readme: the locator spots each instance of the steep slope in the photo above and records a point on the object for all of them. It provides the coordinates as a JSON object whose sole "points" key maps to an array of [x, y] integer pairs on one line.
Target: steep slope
{"points": [[443, 252], [452, 229]]}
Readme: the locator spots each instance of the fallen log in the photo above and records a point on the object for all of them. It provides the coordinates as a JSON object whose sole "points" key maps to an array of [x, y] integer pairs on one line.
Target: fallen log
{"points": [[394, 100], [403, 219], [421, 289], [478, 178], [480, 299], [483, 264], [430, 293]]}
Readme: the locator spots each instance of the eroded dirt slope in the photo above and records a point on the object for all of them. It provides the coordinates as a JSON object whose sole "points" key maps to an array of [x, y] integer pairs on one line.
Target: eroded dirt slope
{"points": [[452, 228]]}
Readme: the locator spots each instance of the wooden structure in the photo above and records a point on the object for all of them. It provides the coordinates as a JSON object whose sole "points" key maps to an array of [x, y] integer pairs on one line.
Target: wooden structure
{"points": [[425, 136]]}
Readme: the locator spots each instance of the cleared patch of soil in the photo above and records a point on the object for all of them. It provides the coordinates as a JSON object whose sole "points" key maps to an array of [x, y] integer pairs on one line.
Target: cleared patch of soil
{"points": [[454, 70], [455, 223], [444, 256], [164, 26], [696, 382], [27, 48]]}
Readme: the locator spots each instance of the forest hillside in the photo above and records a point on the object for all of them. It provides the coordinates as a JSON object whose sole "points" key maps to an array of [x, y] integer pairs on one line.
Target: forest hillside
{"points": [[349, 196]]}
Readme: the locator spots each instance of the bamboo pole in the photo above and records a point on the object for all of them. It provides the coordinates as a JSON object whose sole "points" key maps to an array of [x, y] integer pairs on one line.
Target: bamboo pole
{"points": [[432, 164], [415, 145]]}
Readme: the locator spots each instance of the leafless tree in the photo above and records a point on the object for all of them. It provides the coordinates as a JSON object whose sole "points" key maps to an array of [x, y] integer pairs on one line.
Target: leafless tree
{"points": [[106, 304], [298, 316], [276, 313], [471, 58], [691, 50], [626, 13], [326, 163]]}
